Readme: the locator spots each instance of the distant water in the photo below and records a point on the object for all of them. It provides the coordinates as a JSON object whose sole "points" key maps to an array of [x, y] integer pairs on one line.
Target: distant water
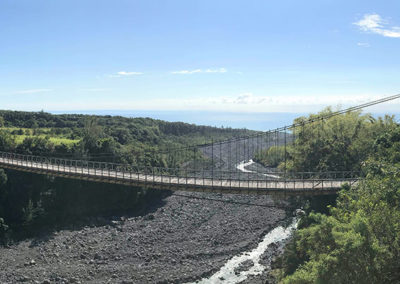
{"points": [[254, 121]]}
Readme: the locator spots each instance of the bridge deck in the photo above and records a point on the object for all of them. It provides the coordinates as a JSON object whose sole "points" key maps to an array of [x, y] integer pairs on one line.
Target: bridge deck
{"points": [[158, 181]]}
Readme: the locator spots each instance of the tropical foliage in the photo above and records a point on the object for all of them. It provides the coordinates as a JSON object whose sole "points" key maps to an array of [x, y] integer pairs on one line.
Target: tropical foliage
{"points": [[359, 240], [340, 143], [271, 157]]}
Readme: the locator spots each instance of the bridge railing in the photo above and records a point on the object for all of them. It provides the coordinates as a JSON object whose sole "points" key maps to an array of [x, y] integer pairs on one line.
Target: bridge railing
{"points": [[198, 177]]}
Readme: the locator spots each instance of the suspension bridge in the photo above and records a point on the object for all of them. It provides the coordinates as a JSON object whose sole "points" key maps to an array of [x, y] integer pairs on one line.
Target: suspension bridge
{"points": [[222, 167]]}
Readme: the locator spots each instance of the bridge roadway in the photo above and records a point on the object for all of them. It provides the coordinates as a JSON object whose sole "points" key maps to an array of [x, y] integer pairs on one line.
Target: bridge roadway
{"points": [[75, 169]]}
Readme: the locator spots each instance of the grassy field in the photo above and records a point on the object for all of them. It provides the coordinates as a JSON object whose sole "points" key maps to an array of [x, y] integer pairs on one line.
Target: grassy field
{"points": [[43, 132], [56, 140]]}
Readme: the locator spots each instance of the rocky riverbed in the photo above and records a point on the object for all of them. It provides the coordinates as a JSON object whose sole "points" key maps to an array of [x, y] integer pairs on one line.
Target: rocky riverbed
{"points": [[188, 236]]}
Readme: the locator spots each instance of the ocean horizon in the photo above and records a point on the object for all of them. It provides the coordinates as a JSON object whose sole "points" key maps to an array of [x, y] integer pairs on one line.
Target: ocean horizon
{"points": [[254, 121]]}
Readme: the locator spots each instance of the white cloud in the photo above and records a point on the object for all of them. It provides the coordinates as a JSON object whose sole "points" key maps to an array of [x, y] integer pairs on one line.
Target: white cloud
{"points": [[251, 102], [124, 74], [375, 24], [246, 102], [363, 44], [93, 90], [218, 70], [241, 103], [187, 71], [33, 91]]}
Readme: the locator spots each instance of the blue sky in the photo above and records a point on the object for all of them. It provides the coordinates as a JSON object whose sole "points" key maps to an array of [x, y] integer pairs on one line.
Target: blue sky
{"points": [[235, 56]]}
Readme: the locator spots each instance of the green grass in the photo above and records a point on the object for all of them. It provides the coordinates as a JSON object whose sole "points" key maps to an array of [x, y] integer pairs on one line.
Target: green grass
{"points": [[66, 141], [56, 140]]}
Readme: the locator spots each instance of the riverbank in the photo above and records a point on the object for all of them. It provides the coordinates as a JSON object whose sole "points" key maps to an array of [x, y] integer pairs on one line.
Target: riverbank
{"points": [[186, 238]]}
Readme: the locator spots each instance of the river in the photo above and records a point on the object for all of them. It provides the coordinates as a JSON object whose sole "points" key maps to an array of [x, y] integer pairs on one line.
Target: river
{"points": [[232, 272]]}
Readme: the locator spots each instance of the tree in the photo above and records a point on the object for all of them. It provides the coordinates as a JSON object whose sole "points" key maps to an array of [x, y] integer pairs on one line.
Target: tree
{"points": [[36, 145], [3, 230], [3, 178], [339, 143], [7, 142], [271, 157], [360, 241], [92, 132]]}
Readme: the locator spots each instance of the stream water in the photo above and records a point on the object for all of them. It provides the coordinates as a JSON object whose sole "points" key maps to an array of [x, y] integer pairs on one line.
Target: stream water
{"points": [[232, 272], [242, 167]]}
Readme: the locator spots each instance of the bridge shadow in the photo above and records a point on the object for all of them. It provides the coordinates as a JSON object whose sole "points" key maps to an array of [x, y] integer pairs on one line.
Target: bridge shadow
{"points": [[47, 232]]}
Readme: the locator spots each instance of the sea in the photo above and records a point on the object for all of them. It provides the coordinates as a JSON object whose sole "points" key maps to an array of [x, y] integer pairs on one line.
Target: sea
{"points": [[254, 121]]}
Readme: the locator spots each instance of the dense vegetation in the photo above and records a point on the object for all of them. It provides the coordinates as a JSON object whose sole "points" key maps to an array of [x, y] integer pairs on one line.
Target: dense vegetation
{"points": [[134, 141], [29, 201], [340, 143], [271, 157], [358, 240]]}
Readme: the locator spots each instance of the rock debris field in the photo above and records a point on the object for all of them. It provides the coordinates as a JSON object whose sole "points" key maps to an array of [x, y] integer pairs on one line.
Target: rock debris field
{"points": [[186, 237]]}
